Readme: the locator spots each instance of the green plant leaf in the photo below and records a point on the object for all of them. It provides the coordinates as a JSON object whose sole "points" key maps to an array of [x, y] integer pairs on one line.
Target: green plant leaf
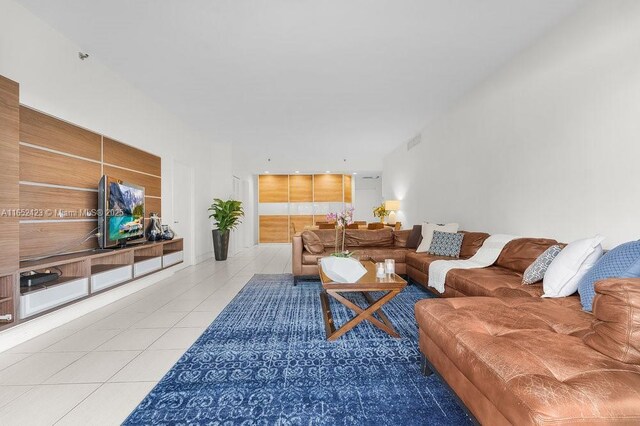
{"points": [[227, 214]]}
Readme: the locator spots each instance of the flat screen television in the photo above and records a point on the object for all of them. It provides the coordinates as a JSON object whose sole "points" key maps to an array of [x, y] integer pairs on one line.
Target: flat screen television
{"points": [[120, 212]]}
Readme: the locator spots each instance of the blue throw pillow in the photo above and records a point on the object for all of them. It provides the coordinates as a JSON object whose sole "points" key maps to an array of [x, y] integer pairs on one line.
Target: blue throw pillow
{"points": [[446, 244], [621, 262]]}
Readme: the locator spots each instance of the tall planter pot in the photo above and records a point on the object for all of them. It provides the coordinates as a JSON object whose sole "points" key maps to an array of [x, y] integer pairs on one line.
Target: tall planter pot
{"points": [[220, 244]]}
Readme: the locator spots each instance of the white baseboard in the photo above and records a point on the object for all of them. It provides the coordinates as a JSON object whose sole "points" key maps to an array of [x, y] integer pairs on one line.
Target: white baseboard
{"points": [[205, 256], [32, 328]]}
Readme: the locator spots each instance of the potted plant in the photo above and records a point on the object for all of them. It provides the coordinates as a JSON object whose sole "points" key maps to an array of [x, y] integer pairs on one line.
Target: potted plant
{"points": [[227, 216], [381, 212]]}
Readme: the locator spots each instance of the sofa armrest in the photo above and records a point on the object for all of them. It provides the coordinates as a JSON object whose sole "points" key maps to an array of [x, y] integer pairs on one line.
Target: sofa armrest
{"points": [[616, 328], [296, 254]]}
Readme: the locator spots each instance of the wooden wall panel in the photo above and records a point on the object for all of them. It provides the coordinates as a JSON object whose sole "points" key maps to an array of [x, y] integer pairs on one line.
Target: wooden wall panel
{"points": [[327, 188], [274, 229], [152, 185], [347, 189], [298, 222], [273, 188], [119, 154], [41, 166], [152, 205], [42, 130], [9, 152], [46, 238], [319, 218], [53, 201], [300, 188]]}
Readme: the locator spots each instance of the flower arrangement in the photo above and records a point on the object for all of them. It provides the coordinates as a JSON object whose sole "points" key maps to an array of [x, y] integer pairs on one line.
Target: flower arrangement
{"points": [[381, 212], [341, 219]]}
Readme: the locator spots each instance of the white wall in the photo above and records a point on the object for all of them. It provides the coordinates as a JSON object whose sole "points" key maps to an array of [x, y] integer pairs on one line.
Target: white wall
{"points": [[366, 195], [548, 146], [53, 79]]}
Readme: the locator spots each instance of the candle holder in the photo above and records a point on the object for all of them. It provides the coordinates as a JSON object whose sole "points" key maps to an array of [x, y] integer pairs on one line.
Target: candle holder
{"points": [[389, 266]]}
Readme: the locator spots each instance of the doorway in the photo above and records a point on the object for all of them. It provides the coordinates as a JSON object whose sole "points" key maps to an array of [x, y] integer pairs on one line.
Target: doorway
{"points": [[182, 196]]}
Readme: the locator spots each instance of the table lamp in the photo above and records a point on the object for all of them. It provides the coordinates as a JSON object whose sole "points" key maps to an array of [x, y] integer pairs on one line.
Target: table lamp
{"points": [[392, 206]]}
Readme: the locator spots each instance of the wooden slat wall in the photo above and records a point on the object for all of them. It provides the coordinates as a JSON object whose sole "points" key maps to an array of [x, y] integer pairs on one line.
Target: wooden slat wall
{"points": [[54, 202], [319, 218], [321, 188], [152, 205], [40, 129], [327, 188], [119, 154], [273, 188], [81, 157], [48, 238], [152, 185], [347, 189], [41, 166], [300, 188], [298, 222], [274, 229], [9, 153]]}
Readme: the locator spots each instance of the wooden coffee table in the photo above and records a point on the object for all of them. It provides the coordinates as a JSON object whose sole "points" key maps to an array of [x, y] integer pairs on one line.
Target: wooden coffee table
{"points": [[392, 285]]}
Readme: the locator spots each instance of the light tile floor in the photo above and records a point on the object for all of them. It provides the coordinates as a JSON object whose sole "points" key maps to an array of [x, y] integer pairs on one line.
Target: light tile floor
{"points": [[96, 369]]}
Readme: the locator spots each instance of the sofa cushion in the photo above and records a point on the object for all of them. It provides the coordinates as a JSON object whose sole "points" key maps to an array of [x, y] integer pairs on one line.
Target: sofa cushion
{"points": [[369, 238], [493, 281], [518, 254], [570, 265], [621, 262], [380, 254], [415, 237], [400, 238], [421, 261], [535, 272], [471, 243], [312, 242], [427, 233], [327, 236], [526, 355], [446, 244], [616, 331]]}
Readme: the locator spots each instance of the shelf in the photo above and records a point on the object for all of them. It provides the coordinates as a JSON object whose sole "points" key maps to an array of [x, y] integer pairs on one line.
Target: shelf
{"points": [[65, 290], [97, 269], [45, 286], [138, 259], [106, 276], [148, 246], [5, 299]]}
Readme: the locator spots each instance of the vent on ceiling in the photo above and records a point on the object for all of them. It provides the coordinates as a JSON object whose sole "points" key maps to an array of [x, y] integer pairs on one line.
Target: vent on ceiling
{"points": [[413, 142], [371, 177]]}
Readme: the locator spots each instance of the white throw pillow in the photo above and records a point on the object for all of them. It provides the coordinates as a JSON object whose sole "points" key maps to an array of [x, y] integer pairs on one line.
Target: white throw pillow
{"points": [[570, 265], [427, 234]]}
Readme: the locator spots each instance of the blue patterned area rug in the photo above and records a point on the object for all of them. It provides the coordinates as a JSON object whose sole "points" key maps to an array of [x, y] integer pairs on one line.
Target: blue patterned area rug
{"points": [[265, 361]]}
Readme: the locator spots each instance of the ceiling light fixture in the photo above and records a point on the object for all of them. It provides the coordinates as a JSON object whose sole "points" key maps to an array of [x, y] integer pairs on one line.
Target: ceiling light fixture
{"points": [[327, 171], [354, 173], [266, 172], [297, 171]]}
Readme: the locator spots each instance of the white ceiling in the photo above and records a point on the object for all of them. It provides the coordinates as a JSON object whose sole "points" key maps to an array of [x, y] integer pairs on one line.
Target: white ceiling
{"points": [[307, 83]]}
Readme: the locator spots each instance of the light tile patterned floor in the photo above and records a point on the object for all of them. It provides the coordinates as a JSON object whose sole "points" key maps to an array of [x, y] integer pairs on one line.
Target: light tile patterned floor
{"points": [[96, 369]]}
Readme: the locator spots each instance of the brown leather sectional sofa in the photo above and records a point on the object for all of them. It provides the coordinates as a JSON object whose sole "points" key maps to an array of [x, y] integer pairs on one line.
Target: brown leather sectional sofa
{"points": [[513, 357], [376, 245]]}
